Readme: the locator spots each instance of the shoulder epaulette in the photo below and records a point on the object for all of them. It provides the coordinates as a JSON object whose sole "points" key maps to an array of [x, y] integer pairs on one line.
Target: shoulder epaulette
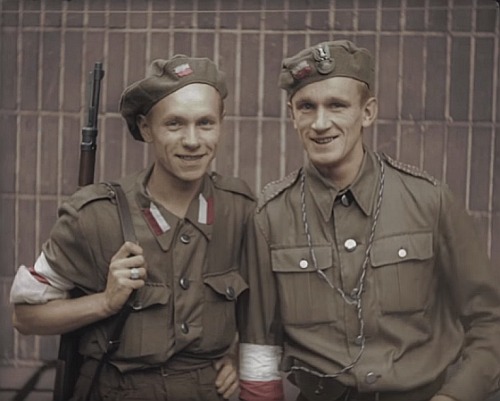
{"points": [[232, 184], [274, 188], [409, 169], [89, 194]]}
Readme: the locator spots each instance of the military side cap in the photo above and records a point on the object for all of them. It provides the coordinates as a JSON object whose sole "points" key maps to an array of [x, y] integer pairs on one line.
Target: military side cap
{"points": [[339, 58], [164, 78]]}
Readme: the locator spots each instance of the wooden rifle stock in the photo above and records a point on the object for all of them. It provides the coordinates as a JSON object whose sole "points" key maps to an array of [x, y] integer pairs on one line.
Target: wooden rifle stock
{"points": [[69, 359]]}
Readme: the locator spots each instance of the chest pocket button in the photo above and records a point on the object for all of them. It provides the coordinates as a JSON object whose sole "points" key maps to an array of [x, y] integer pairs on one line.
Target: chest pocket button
{"points": [[350, 245], [231, 294]]}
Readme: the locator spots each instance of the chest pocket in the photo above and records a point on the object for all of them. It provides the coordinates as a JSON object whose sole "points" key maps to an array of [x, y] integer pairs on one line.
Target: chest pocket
{"points": [[221, 292], [403, 270], [304, 296], [148, 331]]}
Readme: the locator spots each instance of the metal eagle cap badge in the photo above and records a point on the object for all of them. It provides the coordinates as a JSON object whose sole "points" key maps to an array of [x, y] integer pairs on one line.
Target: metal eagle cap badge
{"points": [[325, 64]]}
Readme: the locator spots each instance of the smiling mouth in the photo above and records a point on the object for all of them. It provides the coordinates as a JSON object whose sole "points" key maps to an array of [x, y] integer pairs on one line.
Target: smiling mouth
{"points": [[190, 157], [323, 140]]}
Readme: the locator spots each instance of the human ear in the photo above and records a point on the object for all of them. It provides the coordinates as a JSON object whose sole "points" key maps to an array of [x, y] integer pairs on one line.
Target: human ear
{"points": [[370, 110], [143, 125]]}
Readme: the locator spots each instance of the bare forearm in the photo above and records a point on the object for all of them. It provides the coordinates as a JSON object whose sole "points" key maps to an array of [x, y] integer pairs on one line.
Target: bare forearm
{"points": [[60, 316], [63, 315]]}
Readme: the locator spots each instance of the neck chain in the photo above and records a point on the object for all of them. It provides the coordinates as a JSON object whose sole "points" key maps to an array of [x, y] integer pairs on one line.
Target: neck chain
{"points": [[355, 297]]}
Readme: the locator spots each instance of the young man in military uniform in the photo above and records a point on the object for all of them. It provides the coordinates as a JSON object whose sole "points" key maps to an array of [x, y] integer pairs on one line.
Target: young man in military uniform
{"points": [[184, 267], [367, 280]]}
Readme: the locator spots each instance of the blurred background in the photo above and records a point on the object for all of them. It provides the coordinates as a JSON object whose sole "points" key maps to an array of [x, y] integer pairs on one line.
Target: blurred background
{"points": [[438, 83]]}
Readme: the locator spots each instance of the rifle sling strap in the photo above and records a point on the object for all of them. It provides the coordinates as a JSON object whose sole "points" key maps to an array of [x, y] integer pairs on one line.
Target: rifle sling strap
{"points": [[121, 317], [124, 212]]}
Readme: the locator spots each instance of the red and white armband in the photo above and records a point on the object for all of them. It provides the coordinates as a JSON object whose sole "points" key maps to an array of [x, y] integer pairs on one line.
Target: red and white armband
{"points": [[38, 284], [260, 378]]}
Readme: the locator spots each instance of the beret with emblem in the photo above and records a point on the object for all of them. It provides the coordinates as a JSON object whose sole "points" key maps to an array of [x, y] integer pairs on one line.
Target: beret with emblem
{"points": [[339, 58], [164, 78]]}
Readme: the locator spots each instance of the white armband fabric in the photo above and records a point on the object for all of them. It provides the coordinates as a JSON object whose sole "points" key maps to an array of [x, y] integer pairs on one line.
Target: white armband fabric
{"points": [[43, 268], [38, 284], [260, 362]]}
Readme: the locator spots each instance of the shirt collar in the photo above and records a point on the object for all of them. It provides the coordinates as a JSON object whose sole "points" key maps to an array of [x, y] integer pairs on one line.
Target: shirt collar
{"points": [[162, 222], [363, 189], [201, 211]]}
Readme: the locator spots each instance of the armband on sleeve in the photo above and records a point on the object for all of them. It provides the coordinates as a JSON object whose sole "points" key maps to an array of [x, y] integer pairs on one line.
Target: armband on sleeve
{"points": [[38, 284], [260, 378]]}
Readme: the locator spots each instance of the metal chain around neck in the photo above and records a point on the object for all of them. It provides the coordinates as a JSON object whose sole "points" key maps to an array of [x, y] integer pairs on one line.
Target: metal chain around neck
{"points": [[355, 298]]}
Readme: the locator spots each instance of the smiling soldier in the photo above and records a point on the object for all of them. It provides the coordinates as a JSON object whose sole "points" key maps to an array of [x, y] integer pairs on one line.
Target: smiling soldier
{"points": [[184, 267], [367, 279]]}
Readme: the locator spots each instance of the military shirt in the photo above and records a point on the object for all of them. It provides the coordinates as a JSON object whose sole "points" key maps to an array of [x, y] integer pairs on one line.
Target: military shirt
{"points": [[429, 296], [185, 314]]}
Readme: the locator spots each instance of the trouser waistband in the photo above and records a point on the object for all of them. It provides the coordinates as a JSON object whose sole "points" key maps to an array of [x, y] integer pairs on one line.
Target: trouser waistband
{"points": [[200, 373], [316, 388], [152, 384]]}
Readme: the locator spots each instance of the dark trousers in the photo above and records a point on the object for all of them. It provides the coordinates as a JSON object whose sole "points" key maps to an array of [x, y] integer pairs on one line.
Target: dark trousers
{"points": [[148, 385], [302, 397], [314, 388]]}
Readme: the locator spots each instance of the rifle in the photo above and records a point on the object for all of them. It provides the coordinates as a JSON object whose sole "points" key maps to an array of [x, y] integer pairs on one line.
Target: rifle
{"points": [[88, 146], [69, 359]]}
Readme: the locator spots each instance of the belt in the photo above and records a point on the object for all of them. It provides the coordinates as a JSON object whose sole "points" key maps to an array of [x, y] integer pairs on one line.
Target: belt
{"points": [[315, 388], [166, 370]]}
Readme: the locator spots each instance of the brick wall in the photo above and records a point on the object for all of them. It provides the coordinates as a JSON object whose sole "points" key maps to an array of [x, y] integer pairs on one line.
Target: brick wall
{"points": [[438, 88]]}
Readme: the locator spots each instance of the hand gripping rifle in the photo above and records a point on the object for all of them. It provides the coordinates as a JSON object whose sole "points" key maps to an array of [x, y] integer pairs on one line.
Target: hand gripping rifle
{"points": [[69, 359]]}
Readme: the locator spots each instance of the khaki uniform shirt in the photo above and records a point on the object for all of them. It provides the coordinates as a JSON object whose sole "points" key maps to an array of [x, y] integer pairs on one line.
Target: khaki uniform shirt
{"points": [[185, 314], [430, 294]]}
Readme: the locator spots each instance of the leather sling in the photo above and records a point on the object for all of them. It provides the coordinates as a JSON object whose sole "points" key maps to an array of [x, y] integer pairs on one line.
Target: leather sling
{"points": [[114, 336]]}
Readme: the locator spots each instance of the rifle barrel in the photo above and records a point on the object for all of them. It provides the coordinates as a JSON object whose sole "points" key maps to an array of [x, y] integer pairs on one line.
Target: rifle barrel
{"points": [[88, 145]]}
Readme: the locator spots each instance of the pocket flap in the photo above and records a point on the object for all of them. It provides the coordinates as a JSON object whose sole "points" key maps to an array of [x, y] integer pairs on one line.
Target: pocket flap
{"points": [[230, 284], [151, 294], [299, 260], [400, 248]]}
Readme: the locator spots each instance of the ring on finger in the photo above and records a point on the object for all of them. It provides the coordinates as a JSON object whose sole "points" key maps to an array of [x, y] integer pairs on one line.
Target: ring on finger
{"points": [[134, 273]]}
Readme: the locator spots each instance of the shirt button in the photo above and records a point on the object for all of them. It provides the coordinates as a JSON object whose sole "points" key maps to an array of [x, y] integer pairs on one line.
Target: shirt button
{"points": [[185, 239], [371, 378], [350, 245], [185, 328], [358, 340], [184, 283], [137, 305], [230, 293], [303, 264], [344, 199], [402, 253]]}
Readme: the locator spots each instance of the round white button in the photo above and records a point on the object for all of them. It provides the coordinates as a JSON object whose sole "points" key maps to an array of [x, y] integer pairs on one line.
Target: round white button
{"points": [[350, 245], [371, 378], [303, 264], [402, 253]]}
